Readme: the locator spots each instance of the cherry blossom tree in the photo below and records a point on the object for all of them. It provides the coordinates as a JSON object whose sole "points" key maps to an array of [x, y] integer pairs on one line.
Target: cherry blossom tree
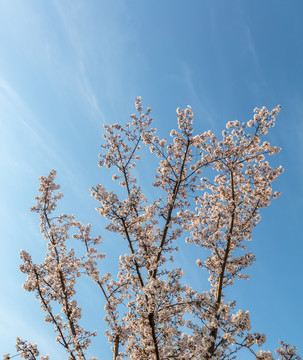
{"points": [[150, 313]]}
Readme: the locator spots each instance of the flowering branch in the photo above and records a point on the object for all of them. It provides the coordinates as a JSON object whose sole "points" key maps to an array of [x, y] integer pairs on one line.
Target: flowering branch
{"points": [[150, 313]]}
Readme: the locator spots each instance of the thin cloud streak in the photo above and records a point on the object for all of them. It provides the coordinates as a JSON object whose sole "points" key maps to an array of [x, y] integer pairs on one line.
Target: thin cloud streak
{"points": [[74, 38], [89, 94], [200, 107], [17, 111]]}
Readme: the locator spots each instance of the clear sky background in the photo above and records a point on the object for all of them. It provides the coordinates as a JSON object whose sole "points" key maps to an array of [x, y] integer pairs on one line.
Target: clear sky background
{"points": [[67, 67]]}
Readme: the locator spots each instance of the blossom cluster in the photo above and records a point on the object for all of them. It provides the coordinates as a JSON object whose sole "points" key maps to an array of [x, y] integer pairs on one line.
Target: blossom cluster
{"points": [[150, 313]]}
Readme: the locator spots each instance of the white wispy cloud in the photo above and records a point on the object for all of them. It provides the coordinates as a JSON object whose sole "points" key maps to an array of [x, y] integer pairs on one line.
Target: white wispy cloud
{"points": [[69, 22], [16, 116], [88, 93], [251, 46], [200, 103]]}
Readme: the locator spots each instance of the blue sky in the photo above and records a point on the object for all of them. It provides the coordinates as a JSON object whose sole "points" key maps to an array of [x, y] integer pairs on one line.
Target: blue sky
{"points": [[67, 67]]}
